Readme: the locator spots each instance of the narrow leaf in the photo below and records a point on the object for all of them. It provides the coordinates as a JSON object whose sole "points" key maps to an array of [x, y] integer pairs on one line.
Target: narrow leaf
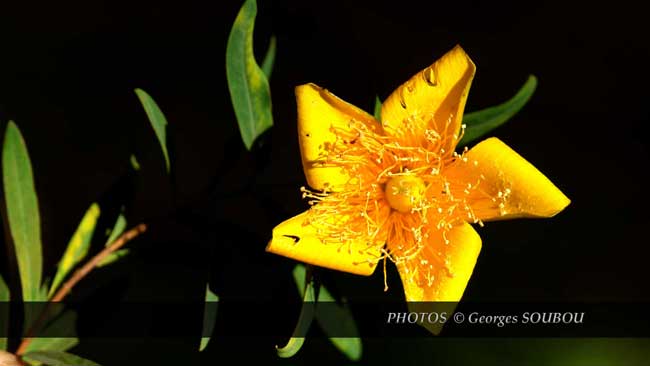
{"points": [[77, 246], [481, 122], [113, 257], [59, 358], [22, 211], [59, 333], [334, 319], [303, 280], [377, 109], [158, 122], [249, 88], [134, 162], [4, 312], [209, 317], [269, 58], [118, 229]]}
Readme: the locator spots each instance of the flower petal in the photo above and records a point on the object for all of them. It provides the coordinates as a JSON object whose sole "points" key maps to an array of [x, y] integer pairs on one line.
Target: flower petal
{"points": [[508, 185], [434, 98], [295, 239], [425, 277], [319, 111]]}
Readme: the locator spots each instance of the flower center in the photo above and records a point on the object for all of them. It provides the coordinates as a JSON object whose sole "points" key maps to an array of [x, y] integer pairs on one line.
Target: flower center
{"points": [[404, 193]]}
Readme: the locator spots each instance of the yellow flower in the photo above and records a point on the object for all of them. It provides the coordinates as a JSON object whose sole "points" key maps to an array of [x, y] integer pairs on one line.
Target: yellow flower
{"points": [[397, 190]]}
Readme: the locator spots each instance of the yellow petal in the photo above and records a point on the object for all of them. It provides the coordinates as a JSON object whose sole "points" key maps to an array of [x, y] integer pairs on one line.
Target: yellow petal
{"points": [[433, 99], [319, 111], [425, 277], [294, 239], [508, 185]]}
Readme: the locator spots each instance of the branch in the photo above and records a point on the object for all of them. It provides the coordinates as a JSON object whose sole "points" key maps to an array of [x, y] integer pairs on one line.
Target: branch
{"points": [[78, 276]]}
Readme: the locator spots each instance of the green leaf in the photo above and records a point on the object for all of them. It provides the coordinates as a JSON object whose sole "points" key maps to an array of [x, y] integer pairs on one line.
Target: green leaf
{"points": [[481, 122], [334, 319], [209, 316], [59, 358], [158, 122], [59, 334], [4, 312], [118, 229], [22, 212], [303, 280], [269, 58], [113, 257], [377, 109], [77, 246], [134, 162], [249, 88]]}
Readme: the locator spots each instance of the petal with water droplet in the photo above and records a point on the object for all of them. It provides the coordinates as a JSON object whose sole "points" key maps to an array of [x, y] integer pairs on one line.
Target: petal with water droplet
{"points": [[434, 98]]}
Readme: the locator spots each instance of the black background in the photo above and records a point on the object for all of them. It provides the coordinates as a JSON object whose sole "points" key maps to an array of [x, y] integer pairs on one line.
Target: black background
{"points": [[67, 74]]}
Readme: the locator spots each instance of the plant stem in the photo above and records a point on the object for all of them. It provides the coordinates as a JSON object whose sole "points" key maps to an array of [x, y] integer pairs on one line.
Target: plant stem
{"points": [[78, 276]]}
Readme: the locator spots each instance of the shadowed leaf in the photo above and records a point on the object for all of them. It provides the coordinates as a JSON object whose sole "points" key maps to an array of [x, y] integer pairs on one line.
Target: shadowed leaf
{"points": [[303, 279], [334, 319], [4, 312], [59, 358], [481, 122], [377, 112], [158, 122], [269, 58], [209, 316]]}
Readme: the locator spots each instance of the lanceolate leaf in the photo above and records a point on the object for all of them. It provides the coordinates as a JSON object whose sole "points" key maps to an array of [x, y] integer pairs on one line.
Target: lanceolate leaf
{"points": [[334, 320], [269, 59], [481, 122], [58, 358], [377, 111], [59, 334], [114, 257], [4, 313], [337, 319], [77, 247], [209, 316], [118, 229], [303, 279], [248, 85], [22, 212], [157, 120]]}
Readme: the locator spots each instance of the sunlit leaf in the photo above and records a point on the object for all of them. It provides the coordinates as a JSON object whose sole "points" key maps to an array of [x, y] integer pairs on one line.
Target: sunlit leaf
{"points": [[336, 320], [377, 112], [59, 358], [77, 246], [209, 316], [4, 312], [22, 211], [303, 280], [249, 88], [118, 229], [481, 122], [113, 257], [269, 58], [158, 122]]}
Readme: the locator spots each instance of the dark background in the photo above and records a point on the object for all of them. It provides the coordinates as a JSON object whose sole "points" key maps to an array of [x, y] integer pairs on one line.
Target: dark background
{"points": [[67, 74]]}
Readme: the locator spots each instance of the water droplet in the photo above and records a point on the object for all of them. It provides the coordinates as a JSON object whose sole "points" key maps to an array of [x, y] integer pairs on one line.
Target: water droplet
{"points": [[429, 76]]}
